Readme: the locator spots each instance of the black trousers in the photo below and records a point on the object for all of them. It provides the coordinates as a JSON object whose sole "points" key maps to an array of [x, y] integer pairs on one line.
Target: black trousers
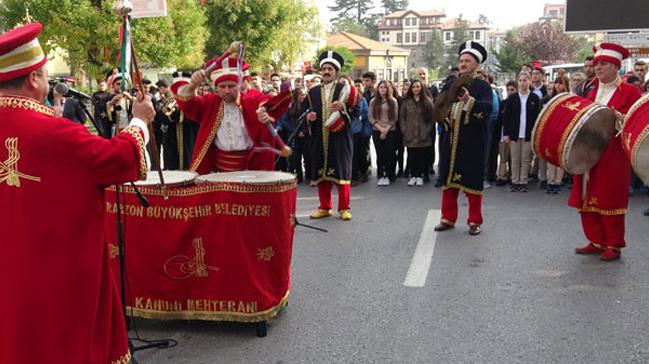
{"points": [[418, 161], [399, 150], [300, 148], [385, 154], [431, 150], [360, 160]]}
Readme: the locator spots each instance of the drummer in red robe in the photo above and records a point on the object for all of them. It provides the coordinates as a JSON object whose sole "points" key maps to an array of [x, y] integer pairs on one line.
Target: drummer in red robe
{"points": [[601, 195], [60, 302], [231, 123]]}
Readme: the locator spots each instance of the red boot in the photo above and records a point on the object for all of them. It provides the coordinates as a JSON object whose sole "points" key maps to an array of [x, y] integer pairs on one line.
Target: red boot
{"points": [[589, 249], [610, 254]]}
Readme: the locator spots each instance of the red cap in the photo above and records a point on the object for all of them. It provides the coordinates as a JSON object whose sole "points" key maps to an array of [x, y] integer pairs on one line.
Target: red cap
{"points": [[225, 68], [20, 52], [610, 52]]}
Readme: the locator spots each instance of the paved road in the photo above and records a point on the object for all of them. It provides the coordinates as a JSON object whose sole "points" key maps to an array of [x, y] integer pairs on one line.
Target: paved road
{"points": [[514, 294]]}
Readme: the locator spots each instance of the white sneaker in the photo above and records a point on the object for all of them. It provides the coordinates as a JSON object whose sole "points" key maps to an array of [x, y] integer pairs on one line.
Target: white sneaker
{"points": [[380, 181], [412, 181], [387, 181], [420, 181]]}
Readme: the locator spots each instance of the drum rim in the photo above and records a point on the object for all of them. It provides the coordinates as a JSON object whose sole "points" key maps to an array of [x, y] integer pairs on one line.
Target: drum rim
{"points": [[184, 181], [643, 134], [541, 121], [636, 105], [583, 116], [292, 178]]}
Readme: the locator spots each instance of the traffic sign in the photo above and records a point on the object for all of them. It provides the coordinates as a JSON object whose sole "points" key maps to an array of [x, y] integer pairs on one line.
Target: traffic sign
{"points": [[628, 39]]}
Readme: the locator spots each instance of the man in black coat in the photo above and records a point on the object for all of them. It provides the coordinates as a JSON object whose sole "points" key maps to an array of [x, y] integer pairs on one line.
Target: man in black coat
{"points": [[462, 159]]}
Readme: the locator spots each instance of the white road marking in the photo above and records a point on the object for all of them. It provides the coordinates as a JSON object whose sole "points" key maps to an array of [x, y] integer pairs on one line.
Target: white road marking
{"points": [[420, 264]]}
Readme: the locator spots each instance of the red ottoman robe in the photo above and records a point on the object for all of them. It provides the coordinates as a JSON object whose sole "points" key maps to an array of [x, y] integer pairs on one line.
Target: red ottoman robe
{"points": [[208, 110], [607, 189], [60, 302]]}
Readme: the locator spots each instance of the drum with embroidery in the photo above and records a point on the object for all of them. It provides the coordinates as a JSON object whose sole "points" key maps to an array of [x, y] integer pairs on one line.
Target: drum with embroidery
{"points": [[572, 132], [634, 137], [216, 250]]}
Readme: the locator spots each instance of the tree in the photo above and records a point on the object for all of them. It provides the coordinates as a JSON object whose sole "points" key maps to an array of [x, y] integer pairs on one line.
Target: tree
{"points": [[510, 57], [547, 42], [274, 32], [434, 52], [351, 26], [347, 9], [460, 35], [390, 6], [88, 30], [351, 15], [347, 55], [585, 50]]}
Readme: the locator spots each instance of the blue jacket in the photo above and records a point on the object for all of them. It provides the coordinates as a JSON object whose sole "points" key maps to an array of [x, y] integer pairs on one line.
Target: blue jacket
{"points": [[361, 124]]}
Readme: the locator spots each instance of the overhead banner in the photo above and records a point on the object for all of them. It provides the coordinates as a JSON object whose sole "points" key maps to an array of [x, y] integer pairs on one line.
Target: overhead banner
{"points": [[149, 8], [218, 252]]}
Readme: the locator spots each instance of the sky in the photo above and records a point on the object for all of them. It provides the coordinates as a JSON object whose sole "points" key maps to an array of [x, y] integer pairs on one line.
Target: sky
{"points": [[504, 14]]}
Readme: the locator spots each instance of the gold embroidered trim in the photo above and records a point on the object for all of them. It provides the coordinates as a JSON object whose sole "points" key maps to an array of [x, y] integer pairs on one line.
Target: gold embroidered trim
{"points": [[566, 133], [17, 102], [213, 187], [641, 101], [124, 359], [210, 139], [603, 212], [542, 121], [210, 315], [22, 57], [638, 142], [456, 113], [334, 180], [183, 98], [462, 188], [470, 105], [326, 111], [9, 168], [136, 133]]}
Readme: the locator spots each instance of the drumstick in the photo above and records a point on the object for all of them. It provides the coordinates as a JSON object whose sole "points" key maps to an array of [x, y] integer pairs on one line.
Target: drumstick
{"points": [[154, 145]]}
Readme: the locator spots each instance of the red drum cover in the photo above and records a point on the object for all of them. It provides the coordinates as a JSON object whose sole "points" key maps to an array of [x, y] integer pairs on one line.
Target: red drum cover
{"points": [[572, 132], [634, 137]]}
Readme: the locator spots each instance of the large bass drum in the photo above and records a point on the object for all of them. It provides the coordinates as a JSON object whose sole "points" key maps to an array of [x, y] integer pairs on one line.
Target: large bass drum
{"points": [[634, 137], [572, 132]]}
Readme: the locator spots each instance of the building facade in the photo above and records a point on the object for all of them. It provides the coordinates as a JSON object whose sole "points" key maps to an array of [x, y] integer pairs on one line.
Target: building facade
{"points": [[412, 30], [386, 61]]}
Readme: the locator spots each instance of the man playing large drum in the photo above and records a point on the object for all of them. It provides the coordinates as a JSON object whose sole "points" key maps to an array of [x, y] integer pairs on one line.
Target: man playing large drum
{"points": [[231, 123], [602, 194]]}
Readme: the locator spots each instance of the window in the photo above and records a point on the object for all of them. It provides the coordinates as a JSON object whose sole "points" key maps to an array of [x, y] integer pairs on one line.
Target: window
{"points": [[407, 21], [477, 35], [407, 38], [399, 38], [471, 35], [387, 22], [447, 36], [414, 37]]}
